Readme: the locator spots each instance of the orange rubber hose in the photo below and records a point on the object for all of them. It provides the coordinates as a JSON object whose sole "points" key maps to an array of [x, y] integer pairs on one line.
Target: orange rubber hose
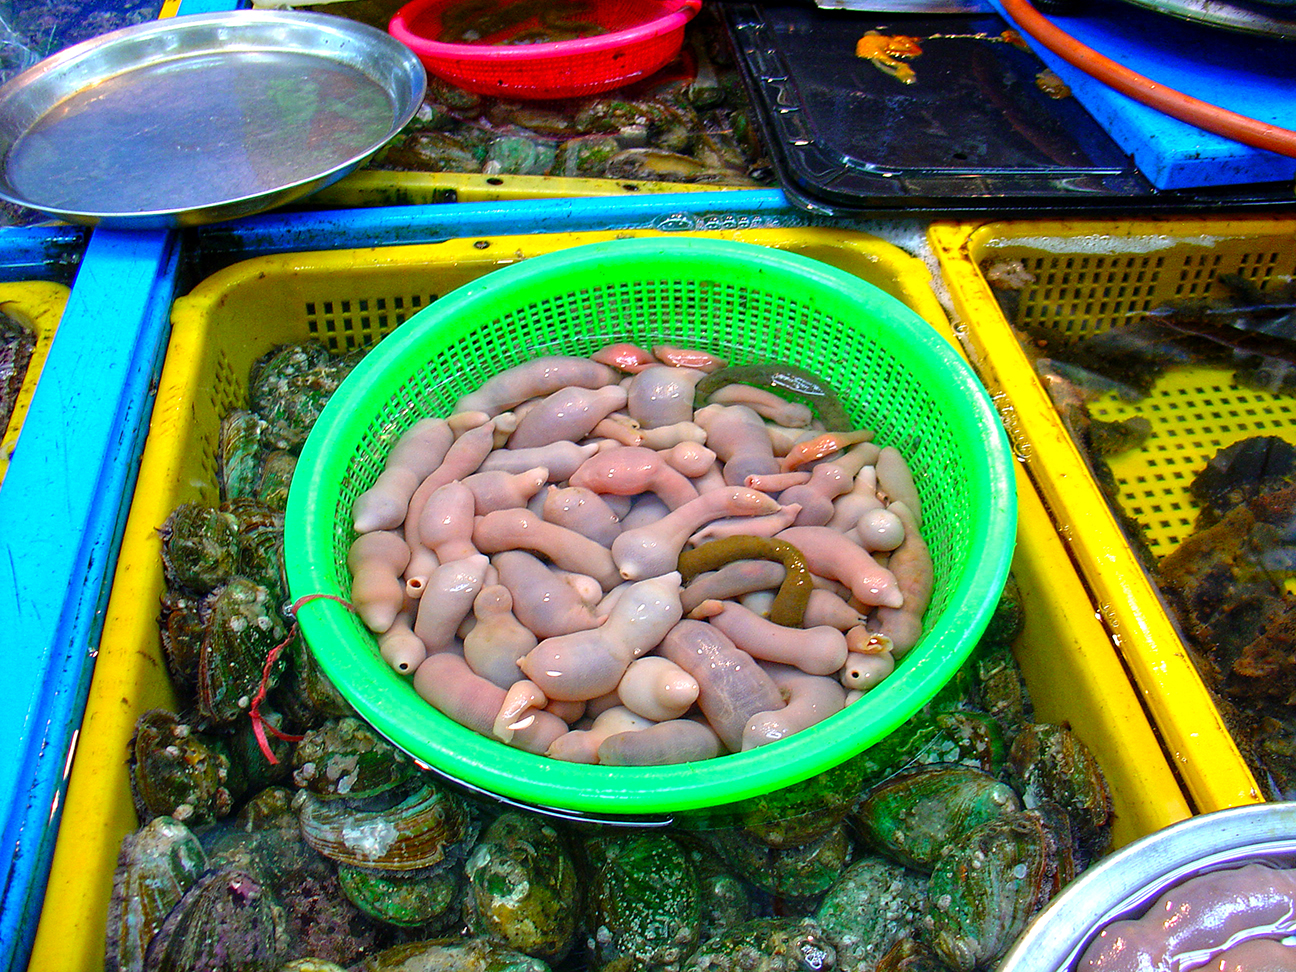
{"points": [[1176, 104]]}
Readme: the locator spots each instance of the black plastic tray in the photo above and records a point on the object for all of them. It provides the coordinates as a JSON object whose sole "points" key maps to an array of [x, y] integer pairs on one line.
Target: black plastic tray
{"points": [[974, 131]]}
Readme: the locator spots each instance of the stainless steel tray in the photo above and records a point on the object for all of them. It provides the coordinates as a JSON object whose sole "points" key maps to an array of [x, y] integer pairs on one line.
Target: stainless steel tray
{"points": [[1125, 884], [202, 118], [1268, 18]]}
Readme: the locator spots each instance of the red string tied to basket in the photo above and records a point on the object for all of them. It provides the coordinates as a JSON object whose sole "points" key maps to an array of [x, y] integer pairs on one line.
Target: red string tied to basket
{"points": [[260, 726]]}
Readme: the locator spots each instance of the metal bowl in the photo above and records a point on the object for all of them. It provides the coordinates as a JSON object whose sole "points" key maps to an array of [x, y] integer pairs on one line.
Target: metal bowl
{"points": [[1266, 18], [1125, 883], [202, 118]]}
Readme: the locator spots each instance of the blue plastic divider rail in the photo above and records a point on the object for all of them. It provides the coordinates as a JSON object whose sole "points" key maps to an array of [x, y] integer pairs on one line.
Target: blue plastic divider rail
{"points": [[346, 229], [62, 511], [41, 253]]}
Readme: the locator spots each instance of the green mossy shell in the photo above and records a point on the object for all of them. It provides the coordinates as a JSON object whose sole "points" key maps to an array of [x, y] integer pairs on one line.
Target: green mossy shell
{"points": [[451, 955], [798, 872], [994, 879], [522, 887], [914, 816], [400, 899], [767, 945], [644, 903], [873, 904]]}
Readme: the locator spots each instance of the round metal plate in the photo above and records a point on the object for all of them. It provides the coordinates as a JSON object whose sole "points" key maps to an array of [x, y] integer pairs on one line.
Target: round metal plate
{"points": [[202, 118], [1276, 19]]}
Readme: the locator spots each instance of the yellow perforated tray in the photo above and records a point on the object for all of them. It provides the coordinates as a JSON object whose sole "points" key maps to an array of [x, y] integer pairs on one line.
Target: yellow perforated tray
{"points": [[1090, 276], [1194, 414], [350, 297]]}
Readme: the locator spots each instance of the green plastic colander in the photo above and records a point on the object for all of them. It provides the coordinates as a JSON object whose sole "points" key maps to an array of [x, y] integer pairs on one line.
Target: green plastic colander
{"points": [[748, 303]]}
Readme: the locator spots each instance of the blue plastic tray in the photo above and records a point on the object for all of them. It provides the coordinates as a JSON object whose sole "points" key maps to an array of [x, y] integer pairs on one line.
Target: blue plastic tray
{"points": [[1248, 74]]}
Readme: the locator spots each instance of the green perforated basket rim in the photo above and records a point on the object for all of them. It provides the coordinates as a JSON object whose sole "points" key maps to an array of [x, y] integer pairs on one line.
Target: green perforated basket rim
{"points": [[895, 374]]}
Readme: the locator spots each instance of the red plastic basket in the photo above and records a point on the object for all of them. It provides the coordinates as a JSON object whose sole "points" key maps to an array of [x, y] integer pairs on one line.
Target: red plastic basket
{"points": [[622, 41]]}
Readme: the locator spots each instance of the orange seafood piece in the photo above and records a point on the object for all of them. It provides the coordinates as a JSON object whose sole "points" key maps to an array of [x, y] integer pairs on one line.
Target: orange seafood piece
{"points": [[887, 52]]}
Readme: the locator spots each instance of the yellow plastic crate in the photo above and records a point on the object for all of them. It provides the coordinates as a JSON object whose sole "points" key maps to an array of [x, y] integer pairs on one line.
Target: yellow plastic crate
{"points": [[346, 298], [374, 187], [1091, 276], [38, 306]]}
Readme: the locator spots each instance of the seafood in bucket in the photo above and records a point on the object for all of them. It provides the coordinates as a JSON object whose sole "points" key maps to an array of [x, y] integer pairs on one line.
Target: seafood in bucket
{"points": [[1234, 918], [642, 557], [690, 122]]}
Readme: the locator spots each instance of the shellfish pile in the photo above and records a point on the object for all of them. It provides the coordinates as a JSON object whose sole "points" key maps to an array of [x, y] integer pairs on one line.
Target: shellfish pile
{"points": [[931, 849], [1227, 584], [641, 557]]}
